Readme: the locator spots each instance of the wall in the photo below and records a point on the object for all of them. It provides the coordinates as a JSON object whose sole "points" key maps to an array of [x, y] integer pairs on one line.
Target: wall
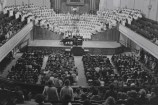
{"points": [[136, 4]]}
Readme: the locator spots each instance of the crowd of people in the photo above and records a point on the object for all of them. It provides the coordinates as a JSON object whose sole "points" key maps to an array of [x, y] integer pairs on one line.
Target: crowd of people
{"points": [[60, 67], [68, 95], [9, 26], [131, 71], [86, 24], [146, 28], [27, 68], [60, 71], [149, 61], [98, 70]]}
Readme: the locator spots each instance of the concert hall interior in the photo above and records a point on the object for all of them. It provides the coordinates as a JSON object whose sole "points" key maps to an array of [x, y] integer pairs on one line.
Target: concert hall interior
{"points": [[78, 52]]}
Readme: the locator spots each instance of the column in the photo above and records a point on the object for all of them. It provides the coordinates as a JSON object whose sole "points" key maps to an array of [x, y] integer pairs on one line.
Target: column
{"points": [[91, 5], [94, 5], [59, 4], [56, 4], [1, 6]]}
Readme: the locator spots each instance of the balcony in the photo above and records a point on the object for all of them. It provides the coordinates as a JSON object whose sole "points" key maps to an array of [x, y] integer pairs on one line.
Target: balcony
{"points": [[140, 41], [14, 41]]}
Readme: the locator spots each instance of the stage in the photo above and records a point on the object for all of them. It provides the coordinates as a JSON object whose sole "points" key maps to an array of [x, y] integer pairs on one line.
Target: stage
{"points": [[94, 47]]}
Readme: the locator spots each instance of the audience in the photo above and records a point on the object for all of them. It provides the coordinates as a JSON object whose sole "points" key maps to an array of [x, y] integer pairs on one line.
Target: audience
{"points": [[59, 68], [146, 28], [98, 70], [111, 92], [149, 61], [27, 68], [131, 72], [9, 27]]}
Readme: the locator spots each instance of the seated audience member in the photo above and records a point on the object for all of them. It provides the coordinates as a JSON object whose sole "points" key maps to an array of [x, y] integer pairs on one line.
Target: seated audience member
{"points": [[50, 92], [77, 94], [132, 98], [83, 97], [66, 90], [19, 95], [40, 100], [111, 92], [121, 98], [154, 99], [95, 95], [109, 101], [142, 99]]}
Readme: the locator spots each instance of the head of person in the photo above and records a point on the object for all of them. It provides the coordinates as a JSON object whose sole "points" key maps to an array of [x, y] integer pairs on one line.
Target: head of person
{"points": [[130, 101], [50, 83], [111, 87], [110, 101], [67, 82], [142, 92], [95, 91]]}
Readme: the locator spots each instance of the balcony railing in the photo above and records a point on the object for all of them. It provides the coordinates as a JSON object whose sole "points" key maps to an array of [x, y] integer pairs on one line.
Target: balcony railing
{"points": [[139, 40], [14, 41]]}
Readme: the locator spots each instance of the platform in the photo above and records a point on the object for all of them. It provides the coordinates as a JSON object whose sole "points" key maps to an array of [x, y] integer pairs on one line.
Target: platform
{"points": [[89, 44], [94, 47]]}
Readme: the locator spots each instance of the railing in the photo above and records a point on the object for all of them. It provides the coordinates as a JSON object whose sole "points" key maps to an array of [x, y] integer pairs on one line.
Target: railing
{"points": [[140, 41], [14, 41]]}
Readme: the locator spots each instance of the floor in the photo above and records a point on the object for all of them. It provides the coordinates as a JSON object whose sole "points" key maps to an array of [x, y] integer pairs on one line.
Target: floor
{"points": [[89, 44], [81, 74], [45, 59]]}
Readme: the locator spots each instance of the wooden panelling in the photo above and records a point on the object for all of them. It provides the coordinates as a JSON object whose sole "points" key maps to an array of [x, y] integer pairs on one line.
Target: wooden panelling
{"points": [[44, 34]]}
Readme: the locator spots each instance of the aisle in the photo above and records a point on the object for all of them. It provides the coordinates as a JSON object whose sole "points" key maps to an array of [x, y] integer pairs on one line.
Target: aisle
{"points": [[81, 76], [45, 59]]}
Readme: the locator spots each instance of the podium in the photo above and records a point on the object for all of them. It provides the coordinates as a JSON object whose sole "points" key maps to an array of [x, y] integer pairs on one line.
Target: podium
{"points": [[77, 51]]}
